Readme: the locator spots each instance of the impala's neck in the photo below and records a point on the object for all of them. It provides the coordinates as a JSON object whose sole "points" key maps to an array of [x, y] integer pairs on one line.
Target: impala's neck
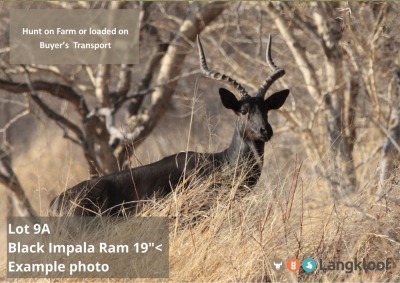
{"points": [[242, 149]]}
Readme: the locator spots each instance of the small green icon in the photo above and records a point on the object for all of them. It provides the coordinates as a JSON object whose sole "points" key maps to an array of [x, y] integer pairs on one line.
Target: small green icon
{"points": [[309, 264]]}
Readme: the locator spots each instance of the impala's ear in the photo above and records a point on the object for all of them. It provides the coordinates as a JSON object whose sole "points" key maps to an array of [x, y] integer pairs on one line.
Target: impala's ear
{"points": [[277, 99], [229, 100]]}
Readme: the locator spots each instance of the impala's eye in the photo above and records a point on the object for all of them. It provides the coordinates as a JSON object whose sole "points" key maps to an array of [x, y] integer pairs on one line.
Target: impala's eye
{"points": [[244, 109]]}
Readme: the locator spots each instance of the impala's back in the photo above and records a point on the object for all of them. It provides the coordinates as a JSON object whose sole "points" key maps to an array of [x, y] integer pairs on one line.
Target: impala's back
{"points": [[119, 193]]}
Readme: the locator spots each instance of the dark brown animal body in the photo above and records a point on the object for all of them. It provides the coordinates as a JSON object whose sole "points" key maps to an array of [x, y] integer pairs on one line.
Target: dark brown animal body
{"points": [[108, 194]]}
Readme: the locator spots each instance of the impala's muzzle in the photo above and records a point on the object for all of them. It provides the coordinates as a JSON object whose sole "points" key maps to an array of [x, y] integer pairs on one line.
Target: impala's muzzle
{"points": [[266, 133]]}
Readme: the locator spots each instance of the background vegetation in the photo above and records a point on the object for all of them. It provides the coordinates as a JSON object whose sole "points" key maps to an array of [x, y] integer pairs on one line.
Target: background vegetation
{"points": [[330, 184]]}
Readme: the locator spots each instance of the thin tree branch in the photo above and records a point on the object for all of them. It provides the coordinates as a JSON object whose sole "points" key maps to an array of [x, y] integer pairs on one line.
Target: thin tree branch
{"points": [[61, 91], [101, 84], [124, 81], [51, 114]]}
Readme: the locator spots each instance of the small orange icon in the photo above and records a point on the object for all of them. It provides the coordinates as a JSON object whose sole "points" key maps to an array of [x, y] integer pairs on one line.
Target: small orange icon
{"points": [[293, 264]]}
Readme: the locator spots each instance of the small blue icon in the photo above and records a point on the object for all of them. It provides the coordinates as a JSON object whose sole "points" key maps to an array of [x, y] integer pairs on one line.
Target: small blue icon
{"points": [[309, 264]]}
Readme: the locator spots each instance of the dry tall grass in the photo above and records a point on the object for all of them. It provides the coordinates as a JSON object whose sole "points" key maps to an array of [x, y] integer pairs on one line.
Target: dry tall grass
{"points": [[236, 239], [225, 234]]}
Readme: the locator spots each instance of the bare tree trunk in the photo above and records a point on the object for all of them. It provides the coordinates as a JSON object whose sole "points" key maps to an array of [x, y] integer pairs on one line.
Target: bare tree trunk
{"points": [[343, 172], [390, 159]]}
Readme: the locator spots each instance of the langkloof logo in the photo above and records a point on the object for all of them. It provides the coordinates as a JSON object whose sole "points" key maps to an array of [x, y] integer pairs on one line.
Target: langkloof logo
{"points": [[310, 265], [355, 264]]}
